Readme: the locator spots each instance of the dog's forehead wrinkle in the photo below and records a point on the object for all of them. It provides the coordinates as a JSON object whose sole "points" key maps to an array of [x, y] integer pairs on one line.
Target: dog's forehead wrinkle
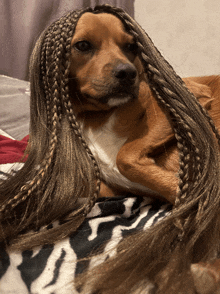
{"points": [[100, 19], [95, 26]]}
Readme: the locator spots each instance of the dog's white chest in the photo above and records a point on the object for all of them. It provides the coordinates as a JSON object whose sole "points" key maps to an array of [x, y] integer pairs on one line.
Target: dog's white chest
{"points": [[105, 145]]}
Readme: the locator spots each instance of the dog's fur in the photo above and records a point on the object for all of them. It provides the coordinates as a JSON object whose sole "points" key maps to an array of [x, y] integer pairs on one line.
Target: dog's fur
{"points": [[129, 133]]}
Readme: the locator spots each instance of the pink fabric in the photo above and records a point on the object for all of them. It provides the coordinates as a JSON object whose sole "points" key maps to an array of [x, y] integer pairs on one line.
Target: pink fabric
{"points": [[12, 150]]}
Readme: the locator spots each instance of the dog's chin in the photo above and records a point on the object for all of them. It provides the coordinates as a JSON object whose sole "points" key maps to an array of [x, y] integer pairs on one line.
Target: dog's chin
{"points": [[117, 101], [108, 101]]}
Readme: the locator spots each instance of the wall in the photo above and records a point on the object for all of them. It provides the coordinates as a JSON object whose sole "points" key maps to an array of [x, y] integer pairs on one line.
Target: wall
{"points": [[187, 32]]}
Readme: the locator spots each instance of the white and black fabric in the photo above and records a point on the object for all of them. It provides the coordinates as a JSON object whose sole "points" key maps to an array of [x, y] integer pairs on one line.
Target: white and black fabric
{"points": [[51, 269]]}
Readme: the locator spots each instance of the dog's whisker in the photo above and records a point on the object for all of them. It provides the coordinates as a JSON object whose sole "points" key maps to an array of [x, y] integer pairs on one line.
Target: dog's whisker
{"points": [[72, 78]]}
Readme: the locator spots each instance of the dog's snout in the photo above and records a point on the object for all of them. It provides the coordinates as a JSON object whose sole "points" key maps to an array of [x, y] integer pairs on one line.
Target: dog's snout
{"points": [[125, 72]]}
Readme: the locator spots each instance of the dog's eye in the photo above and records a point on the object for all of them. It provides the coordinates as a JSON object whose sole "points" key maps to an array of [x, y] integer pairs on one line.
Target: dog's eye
{"points": [[132, 47], [83, 46]]}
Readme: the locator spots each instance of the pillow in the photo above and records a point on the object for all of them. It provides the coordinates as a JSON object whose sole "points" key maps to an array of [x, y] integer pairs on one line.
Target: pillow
{"points": [[14, 107]]}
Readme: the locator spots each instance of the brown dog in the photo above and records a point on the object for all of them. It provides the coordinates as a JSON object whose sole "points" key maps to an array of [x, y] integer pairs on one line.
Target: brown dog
{"points": [[130, 135]]}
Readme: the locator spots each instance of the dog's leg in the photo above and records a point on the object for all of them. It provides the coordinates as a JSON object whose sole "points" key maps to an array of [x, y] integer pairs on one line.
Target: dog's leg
{"points": [[137, 162], [147, 173], [106, 191], [149, 156]]}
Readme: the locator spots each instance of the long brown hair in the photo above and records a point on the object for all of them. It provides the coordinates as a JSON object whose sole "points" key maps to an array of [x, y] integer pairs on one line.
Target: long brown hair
{"points": [[60, 169]]}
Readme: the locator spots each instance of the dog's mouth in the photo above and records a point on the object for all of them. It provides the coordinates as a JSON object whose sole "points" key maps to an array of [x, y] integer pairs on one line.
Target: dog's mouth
{"points": [[110, 101], [105, 96], [115, 98]]}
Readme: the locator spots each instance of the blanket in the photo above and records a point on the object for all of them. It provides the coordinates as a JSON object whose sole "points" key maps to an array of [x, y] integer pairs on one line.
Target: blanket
{"points": [[52, 268], [12, 151]]}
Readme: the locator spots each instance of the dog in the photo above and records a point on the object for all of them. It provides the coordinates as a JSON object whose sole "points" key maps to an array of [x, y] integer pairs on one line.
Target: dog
{"points": [[128, 132]]}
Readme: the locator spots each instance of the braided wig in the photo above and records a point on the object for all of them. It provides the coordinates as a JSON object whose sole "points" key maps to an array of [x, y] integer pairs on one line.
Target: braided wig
{"points": [[61, 169]]}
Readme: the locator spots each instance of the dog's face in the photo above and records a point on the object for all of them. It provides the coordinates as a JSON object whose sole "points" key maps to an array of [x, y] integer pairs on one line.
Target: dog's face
{"points": [[105, 68]]}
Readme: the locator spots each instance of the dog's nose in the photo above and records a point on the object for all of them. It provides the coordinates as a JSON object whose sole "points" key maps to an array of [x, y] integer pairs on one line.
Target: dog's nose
{"points": [[125, 71]]}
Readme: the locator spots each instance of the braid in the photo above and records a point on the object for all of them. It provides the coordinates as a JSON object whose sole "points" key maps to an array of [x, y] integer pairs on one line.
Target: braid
{"points": [[184, 155], [27, 189], [67, 33], [76, 128], [73, 122], [183, 140], [213, 126], [44, 65], [54, 72]]}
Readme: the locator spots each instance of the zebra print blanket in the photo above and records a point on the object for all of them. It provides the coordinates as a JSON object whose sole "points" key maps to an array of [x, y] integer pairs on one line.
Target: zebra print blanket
{"points": [[51, 269]]}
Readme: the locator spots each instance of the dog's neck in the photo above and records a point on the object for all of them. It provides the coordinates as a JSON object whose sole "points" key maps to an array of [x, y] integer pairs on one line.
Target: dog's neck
{"points": [[94, 119], [105, 143]]}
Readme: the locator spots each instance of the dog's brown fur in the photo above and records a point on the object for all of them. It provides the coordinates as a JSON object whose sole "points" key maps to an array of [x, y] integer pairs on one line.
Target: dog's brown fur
{"points": [[149, 156]]}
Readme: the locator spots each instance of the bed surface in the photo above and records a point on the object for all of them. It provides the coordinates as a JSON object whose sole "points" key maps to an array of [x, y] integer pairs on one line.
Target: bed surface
{"points": [[14, 107]]}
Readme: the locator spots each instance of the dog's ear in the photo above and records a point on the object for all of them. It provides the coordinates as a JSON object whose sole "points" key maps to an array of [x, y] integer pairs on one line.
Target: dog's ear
{"points": [[202, 92]]}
